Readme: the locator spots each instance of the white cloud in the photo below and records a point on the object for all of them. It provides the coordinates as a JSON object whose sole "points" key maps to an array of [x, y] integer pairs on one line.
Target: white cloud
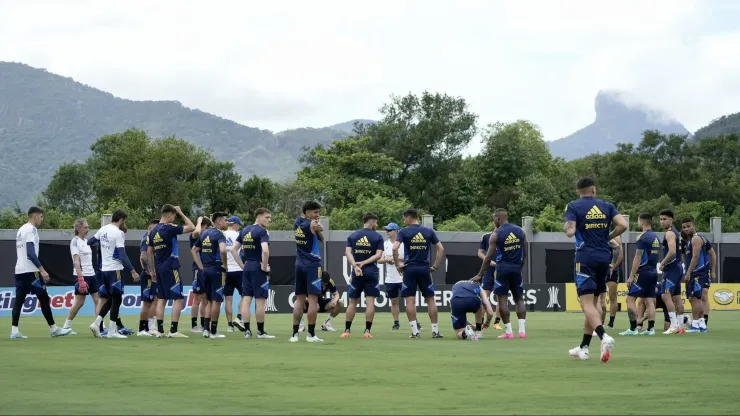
{"points": [[293, 63]]}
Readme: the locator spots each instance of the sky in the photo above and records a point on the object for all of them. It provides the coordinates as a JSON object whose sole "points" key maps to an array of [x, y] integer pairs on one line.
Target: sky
{"points": [[286, 64]]}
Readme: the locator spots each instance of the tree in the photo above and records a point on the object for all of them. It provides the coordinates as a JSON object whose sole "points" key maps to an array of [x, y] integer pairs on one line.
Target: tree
{"points": [[71, 189], [460, 223], [221, 187], [549, 220], [533, 193], [281, 222], [388, 210], [256, 193]]}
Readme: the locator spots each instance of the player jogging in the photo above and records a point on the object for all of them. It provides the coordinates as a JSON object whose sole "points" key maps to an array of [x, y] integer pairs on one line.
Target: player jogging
{"points": [[82, 267], [114, 261], [200, 303], [393, 278], [234, 273], [209, 254], [363, 249], [467, 297], [508, 245], [308, 239], [612, 280], [487, 283], [670, 288], [417, 273], [643, 276], [163, 253], [697, 273], [254, 243], [588, 220], [30, 275]]}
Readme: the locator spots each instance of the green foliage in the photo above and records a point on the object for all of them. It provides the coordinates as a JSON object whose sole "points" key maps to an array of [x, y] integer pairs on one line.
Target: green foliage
{"points": [[460, 223], [281, 222], [388, 210], [549, 220], [71, 189], [728, 124]]}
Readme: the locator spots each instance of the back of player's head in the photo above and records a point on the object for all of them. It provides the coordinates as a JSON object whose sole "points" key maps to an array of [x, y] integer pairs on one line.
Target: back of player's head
{"points": [[35, 210], [260, 212], [411, 213], [645, 217], [154, 221], [310, 206], [205, 222], [585, 183], [168, 209], [687, 220], [218, 216], [369, 217], [501, 212], [119, 215], [666, 213]]}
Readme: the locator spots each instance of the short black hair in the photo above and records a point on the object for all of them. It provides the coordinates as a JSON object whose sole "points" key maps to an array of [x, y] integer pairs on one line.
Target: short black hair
{"points": [[310, 206], [261, 211], [500, 211], [205, 222], [217, 215], [119, 215], [686, 220], [411, 213], [35, 210], [168, 209], [153, 221], [584, 183], [645, 217], [666, 212], [368, 217]]}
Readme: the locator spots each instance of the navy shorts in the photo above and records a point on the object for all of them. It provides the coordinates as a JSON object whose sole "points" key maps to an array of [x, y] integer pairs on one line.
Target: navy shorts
{"points": [[100, 282], [322, 305], [644, 285], [659, 304], [148, 288], [420, 278], [392, 290], [368, 283], [591, 278], [199, 285], [170, 284], [31, 283], [113, 281], [92, 286], [694, 287], [234, 281], [488, 279], [460, 307], [614, 275], [505, 281], [214, 280], [256, 284], [307, 280], [671, 283]]}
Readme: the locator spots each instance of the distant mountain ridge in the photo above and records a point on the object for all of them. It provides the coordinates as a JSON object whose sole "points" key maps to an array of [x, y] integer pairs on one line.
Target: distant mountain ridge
{"points": [[615, 122], [47, 120]]}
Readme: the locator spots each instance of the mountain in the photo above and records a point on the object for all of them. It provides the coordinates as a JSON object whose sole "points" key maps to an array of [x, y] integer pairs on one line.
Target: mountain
{"points": [[616, 122], [47, 120], [723, 125], [349, 126]]}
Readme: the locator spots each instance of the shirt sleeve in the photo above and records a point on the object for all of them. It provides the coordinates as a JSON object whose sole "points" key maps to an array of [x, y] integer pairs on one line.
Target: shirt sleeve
{"points": [[483, 242], [707, 243], [570, 213], [73, 248], [221, 238], [179, 229], [121, 240], [265, 238], [28, 238], [434, 238], [613, 212], [331, 286], [349, 242], [641, 243], [399, 237], [198, 242]]}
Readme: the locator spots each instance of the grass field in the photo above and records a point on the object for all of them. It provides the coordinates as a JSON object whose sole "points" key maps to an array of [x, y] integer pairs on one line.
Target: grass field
{"points": [[389, 374]]}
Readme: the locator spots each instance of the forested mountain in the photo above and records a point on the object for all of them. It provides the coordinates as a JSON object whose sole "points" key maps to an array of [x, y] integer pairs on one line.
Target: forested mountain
{"points": [[723, 125]]}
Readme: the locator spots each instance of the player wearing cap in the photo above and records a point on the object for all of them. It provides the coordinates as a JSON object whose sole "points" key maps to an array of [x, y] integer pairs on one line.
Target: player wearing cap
{"points": [[393, 279], [233, 275]]}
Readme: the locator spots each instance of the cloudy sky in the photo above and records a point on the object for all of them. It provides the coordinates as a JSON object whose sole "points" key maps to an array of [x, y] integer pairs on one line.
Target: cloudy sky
{"points": [[282, 64]]}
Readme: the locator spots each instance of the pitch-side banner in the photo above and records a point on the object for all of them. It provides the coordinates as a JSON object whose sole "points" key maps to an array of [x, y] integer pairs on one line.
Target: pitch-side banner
{"points": [[722, 296], [538, 297]]}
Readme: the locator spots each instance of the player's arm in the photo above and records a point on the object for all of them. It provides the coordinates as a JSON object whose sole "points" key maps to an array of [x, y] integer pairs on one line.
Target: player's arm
{"points": [[334, 293], [569, 228], [713, 262], [670, 238], [440, 255], [143, 259], [635, 264], [351, 259], [396, 259], [489, 257], [189, 227], [524, 251], [224, 257], [488, 306], [620, 226], [152, 269], [317, 229], [31, 255], [123, 257], [695, 252], [235, 253], [195, 251], [265, 265], [620, 256], [198, 228]]}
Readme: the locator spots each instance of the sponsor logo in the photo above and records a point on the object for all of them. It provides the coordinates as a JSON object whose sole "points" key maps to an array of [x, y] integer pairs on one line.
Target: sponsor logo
{"points": [[270, 304], [553, 292], [595, 214], [723, 296]]}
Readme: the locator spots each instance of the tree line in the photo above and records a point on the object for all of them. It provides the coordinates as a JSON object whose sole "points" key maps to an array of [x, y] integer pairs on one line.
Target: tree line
{"points": [[412, 157]]}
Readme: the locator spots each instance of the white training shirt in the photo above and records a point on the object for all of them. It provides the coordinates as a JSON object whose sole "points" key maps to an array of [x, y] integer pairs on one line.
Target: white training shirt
{"points": [[391, 273], [110, 237], [26, 234], [79, 247], [231, 264]]}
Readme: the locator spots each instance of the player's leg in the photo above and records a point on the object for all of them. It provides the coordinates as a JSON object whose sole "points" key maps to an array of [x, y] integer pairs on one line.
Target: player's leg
{"points": [[313, 281], [649, 302], [705, 306], [392, 291], [106, 302], [115, 282], [333, 313], [408, 292], [229, 300], [354, 291], [678, 303], [517, 292], [79, 301], [372, 290], [665, 295], [632, 314], [590, 283], [163, 279], [487, 287], [479, 314], [458, 314], [300, 289], [22, 288], [613, 304], [217, 281], [694, 292], [501, 290], [261, 291], [246, 312], [425, 284]]}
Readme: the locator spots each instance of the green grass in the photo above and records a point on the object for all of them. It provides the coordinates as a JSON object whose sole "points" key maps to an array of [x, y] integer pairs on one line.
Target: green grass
{"points": [[390, 374]]}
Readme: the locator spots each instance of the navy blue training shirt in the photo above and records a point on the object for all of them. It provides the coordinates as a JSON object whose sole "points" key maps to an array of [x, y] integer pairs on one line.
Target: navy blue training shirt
{"points": [[649, 243], [465, 289], [509, 247], [251, 239], [208, 242], [593, 218], [307, 244], [676, 261], [484, 242], [703, 264], [365, 243], [163, 238], [417, 245]]}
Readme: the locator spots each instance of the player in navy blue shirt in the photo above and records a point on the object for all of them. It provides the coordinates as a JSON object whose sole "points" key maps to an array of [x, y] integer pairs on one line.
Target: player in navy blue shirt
{"points": [[148, 290], [508, 245], [670, 287], [164, 259], [467, 297], [588, 220], [612, 281], [643, 276], [487, 284], [254, 243], [200, 303], [209, 254], [363, 250], [417, 273], [702, 260], [308, 239]]}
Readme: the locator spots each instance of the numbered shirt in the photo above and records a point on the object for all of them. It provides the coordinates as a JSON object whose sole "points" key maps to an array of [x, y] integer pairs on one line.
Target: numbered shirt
{"points": [[26, 234], [110, 238], [231, 264], [78, 246]]}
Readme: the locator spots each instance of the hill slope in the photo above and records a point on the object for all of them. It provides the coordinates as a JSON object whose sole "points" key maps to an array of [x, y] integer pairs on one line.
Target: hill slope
{"points": [[615, 123], [47, 120], [723, 125]]}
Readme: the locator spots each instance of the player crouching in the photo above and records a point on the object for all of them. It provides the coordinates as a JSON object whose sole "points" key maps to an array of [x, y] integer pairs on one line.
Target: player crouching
{"points": [[468, 297]]}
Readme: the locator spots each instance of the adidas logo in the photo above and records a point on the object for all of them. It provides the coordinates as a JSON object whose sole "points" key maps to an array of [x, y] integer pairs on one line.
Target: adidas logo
{"points": [[299, 233], [363, 242], [511, 239], [157, 238], [656, 243], [595, 214], [207, 240], [249, 238], [418, 238]]}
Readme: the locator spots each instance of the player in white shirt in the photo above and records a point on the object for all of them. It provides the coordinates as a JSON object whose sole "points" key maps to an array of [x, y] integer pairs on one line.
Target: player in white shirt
{"points": [[233, 275], [82, 267], [393, 279], [29, 274], [115, 260]]}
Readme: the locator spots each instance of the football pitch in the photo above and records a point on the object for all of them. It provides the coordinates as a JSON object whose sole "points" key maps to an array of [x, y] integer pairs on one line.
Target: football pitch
{"points": [[389, 374]]}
